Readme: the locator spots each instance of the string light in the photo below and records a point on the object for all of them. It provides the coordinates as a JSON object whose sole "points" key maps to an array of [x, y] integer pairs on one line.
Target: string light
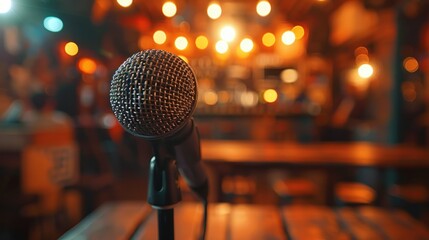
{"points": [[201, 42], [246, 45], [214, 10], [159, 37], [222, 46], [365, 70], [298, 31], [228, 33], [268, 39], [181, 43], [263, 8], [71, 48], [288, 37], [169, 9], [270, 95], [124, 3]]}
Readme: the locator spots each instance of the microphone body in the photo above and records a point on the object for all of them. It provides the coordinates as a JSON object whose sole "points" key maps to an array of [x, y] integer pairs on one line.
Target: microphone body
{"points": [[153, 95], [188, 156]]}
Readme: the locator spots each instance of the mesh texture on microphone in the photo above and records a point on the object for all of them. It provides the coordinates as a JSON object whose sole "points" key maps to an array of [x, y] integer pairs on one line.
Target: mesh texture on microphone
{"points": [[153, 94]]}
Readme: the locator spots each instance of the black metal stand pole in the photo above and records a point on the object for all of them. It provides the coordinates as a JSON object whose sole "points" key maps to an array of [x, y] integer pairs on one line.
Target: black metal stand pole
{"points": [[163, 190], [166, 224]]}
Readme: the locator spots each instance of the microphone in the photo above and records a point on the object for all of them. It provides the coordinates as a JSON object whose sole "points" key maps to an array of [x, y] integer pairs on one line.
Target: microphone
{"points": [[153, 95]]}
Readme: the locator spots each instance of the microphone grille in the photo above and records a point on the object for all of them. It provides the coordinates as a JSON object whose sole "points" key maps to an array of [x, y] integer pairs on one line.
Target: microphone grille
{"points": [[153, 94]]}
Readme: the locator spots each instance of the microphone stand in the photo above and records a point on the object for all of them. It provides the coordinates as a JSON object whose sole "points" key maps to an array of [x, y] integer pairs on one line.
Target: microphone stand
{"points": [[163, 189]]}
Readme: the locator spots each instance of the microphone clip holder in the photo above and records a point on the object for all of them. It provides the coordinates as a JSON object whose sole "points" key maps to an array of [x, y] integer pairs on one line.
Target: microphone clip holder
{"points": [[163, 188]]}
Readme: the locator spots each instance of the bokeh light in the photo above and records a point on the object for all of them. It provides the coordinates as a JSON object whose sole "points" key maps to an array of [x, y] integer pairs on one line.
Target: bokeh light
{"points": [[268, 39], [228, 33], [214, 10], [169, 9], [411, 64], [87, 65], [289, 75], [159, 37], [249, 99], [270, 95], [210, 98], [221, 46], [246, 45], [361, 50], [365, 70], [263, 8], [201, 42], [298, 31], [181, 43], [124, 3], [71, 48], [288, 37], [5, 6], [53, 24]]}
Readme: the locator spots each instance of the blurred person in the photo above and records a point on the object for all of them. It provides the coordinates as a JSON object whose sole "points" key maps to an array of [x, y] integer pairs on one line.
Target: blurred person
{"points": [[10, 109], [44, 118], [50, 162]]}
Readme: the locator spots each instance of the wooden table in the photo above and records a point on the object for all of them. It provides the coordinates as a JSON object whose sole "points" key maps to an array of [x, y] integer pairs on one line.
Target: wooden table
{"points": [[136, 220], [263, 153], [230, 157]]}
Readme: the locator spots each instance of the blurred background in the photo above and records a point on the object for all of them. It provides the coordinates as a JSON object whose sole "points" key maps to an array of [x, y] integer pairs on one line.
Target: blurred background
{"points": [[297, 71]]}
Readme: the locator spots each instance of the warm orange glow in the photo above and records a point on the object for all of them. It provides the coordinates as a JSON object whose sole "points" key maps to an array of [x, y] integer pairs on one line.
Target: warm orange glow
{"points": [[298, 31], [201, 42], [169, 9], [224, 96], [71, 48], [270, 95], [124, 3], [87, 65], [145, 42], [411, 64], [214, 11], [159, 37], [269, 39], [210, 98]]}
